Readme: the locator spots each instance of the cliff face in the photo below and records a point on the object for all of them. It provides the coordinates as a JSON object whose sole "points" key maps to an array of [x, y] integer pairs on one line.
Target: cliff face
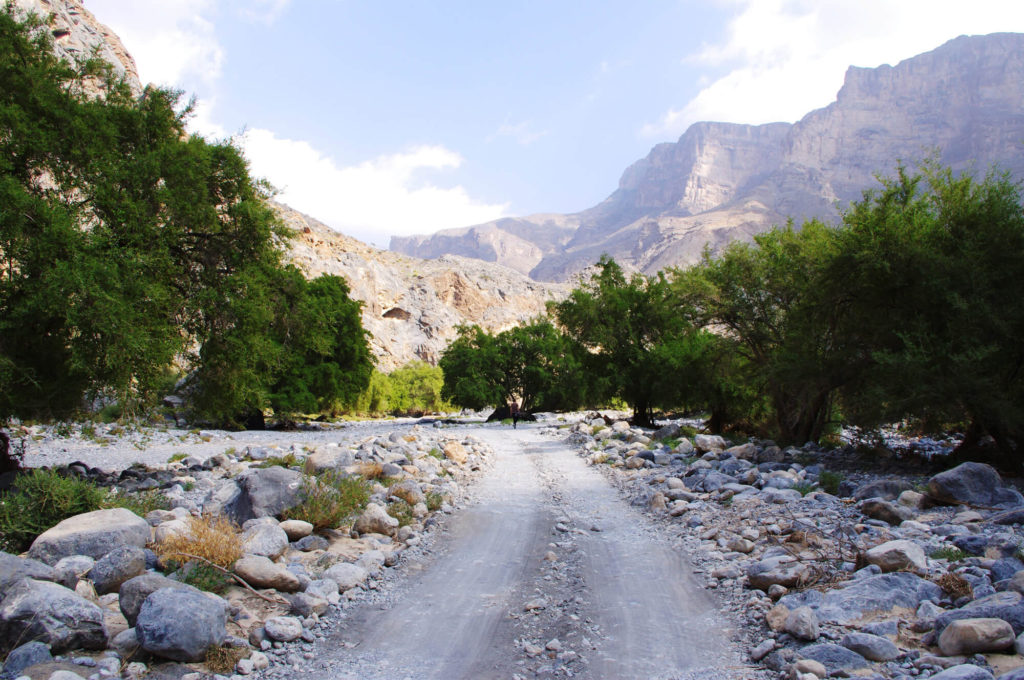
{"points": [[78, 35], [963, 102], [412, 307]]}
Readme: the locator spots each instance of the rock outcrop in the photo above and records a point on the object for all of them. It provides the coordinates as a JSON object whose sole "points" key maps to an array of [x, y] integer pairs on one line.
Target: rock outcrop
{"points": [[412, 307], [723, 181]]}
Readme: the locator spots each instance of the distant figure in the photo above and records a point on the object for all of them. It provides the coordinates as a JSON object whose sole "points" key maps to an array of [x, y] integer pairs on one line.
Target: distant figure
{"points": [[514, 410]]}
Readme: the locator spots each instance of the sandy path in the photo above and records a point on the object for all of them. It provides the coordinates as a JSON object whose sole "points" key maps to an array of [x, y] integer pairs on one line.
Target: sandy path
{"points": [[621, 603]]}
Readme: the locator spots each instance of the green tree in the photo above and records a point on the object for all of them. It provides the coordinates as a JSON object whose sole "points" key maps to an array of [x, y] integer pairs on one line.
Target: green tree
{"points": [[634, 336], [933, 267]]}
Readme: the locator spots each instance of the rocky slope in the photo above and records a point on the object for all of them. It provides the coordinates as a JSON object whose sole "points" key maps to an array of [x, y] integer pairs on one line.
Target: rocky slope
{"points": [[411, 307], [963, 102]]}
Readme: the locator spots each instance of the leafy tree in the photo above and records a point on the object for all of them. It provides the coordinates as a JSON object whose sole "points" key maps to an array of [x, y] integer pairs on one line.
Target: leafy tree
{"points": [[933, 266], [634, 336], [533, 364]]}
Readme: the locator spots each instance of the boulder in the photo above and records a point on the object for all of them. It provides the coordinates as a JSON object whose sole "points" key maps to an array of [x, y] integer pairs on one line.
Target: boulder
{"points": [[14, 568], [883, 489], [311, 543], [893, 513], [975, 484], [870, 595], [296, 529], [802, 624], [265, 539], [116, 567], [134, 592], [346, 575], [897, 556], [963, 671], [181, 625], [670, 431], [328, 458], [264, 492], [455, 452], [125, 643], [69, 570], [92, 533], [260, 572], [782, 570], [871, 647], [306, 604], [375, 520], [50, 613], [834, 657], [1007, 605], [746, 451], [283, 628], [709, 442], [976, 636], [28, 654]]}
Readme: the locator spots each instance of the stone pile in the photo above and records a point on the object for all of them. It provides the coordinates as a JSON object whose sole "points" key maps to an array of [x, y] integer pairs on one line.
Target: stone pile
{"points": [[92, 592], [877, 579]]}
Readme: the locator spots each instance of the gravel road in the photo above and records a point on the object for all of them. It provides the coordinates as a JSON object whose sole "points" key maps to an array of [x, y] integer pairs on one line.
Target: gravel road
{"points": [[547, 573]]}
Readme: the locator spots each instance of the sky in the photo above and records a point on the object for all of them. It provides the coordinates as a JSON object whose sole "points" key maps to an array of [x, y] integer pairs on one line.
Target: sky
{"points": [[399, 118]]}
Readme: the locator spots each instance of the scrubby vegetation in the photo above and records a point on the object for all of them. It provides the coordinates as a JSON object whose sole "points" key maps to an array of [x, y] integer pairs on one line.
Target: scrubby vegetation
{"points": [[329, 499], [42, 499], [413, 389]]}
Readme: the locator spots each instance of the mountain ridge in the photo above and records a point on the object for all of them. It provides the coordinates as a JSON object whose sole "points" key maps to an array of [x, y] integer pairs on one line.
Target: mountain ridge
{"points": [[962, 103]]}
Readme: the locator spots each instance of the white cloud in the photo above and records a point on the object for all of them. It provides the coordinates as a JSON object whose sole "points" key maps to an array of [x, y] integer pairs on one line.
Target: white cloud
{"points": [[373, 200], [173, 41], [522, 132], [787, 57], [264, 11]]}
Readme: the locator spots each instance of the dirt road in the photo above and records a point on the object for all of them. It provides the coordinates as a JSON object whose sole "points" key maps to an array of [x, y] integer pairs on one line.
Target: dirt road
{"points": [[548, 573]]}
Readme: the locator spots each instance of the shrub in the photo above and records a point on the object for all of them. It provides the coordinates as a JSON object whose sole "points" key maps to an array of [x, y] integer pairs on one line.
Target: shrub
{"points": [[205, 577], [288, 460], [175, 457], [829, 481], [948, 553], [434, 501], [213, 538], [42, 499], [401, 511], [329, 499]]}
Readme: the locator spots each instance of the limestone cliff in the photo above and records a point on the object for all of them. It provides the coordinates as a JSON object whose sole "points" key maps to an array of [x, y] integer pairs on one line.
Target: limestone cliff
{"points": [[78, 35], [412, 307], [963, 102]]}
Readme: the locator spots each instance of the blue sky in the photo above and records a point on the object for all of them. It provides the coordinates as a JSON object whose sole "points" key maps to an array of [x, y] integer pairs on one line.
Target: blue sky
{"points": [[407, 117]]}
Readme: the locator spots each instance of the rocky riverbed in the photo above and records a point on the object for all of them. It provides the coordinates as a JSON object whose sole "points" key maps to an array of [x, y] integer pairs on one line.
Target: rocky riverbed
{"points": [[539, 571]]}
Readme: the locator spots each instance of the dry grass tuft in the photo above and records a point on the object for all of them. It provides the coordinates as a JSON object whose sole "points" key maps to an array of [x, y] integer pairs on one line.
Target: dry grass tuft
{"points": [[222, 660], [955, 585], [211, 537]]}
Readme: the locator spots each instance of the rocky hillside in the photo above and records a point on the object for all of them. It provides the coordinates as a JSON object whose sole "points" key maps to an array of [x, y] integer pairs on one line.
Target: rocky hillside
{"points": [[412, 307], [721, 181]]}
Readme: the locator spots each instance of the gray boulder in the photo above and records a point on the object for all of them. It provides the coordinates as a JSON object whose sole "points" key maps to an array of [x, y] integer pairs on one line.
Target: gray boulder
{"points": [[885, 489], [92, 533], [134, 592], [69, 570], [267, 540], [375, 520], [180, 625], [973, 484], [346, 575], [283, 628], [783, 570], [50, 613], [964, 671], [306, 604], [1007, 605], [116, 567], [261, 572], [28, 654], [893, 513], [709, 442], [125, 643], [834, 657], [871, 647], [14, 568], [264, 492], [866, 596]]}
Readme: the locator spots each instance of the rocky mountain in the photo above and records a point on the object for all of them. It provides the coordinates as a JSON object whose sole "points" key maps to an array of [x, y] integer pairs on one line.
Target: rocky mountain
{"points": [[412, 307], [962, 103]]}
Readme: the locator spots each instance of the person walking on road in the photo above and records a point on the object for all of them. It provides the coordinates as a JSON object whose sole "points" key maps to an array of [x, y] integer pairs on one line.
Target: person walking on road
{"points": [[514, 410]]}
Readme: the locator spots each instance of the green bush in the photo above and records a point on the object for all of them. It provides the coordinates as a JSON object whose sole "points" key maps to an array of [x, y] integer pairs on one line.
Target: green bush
{"points": [[205, 577], [951, 554], [330, 499], [805, 487], [829, 481], [42, 499], [401, 511], [434, 501]]}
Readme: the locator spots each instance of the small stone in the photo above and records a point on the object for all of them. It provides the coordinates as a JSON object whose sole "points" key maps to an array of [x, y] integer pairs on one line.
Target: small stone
{"points": [[815, 668], [283, 628], [553, 645], [802, 624]]}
